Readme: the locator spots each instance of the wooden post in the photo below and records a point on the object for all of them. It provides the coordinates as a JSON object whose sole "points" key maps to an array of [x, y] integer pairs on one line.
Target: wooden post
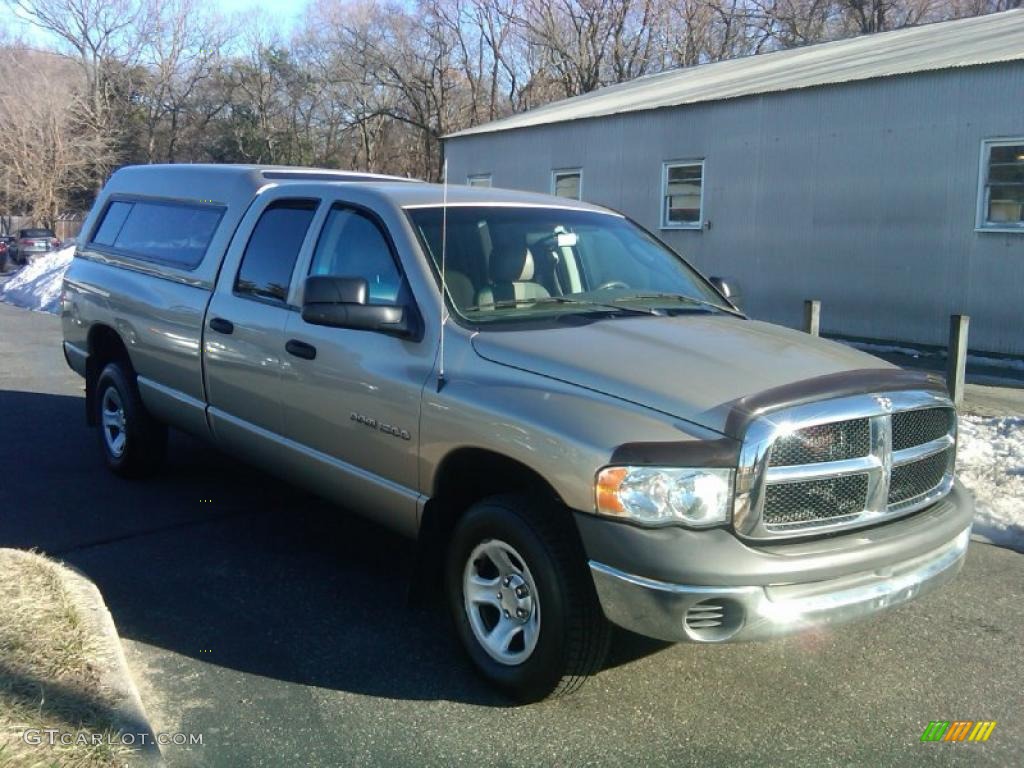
{"points": [[957, 363], [812, 317]]}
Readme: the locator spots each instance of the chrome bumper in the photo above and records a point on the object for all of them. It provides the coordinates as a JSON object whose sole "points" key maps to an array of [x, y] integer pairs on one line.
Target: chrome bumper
{"points": [[678, 612]]}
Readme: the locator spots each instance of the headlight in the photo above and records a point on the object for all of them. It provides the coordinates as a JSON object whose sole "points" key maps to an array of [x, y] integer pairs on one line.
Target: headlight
{"points": [[664, 495]]}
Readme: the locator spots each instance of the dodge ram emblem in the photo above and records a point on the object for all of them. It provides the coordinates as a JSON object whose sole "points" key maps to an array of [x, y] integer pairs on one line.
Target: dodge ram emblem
{"points": [[884, 403]]}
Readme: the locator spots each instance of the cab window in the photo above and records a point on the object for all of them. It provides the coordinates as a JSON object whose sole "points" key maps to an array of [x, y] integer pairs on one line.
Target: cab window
{"points": [[269, 259], [351, 244]]}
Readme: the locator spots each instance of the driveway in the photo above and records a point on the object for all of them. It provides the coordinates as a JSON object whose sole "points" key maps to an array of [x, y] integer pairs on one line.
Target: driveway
{"points": [[278, 628]]}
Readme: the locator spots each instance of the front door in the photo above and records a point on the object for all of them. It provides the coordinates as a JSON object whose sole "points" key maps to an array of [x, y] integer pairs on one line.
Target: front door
{"points": [[357, 402]]}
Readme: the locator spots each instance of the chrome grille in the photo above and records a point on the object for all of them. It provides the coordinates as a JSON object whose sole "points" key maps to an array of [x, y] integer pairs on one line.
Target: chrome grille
{"points": [[842, 463], [823, 442], [790, 504], [918, 477], [912, 428]]}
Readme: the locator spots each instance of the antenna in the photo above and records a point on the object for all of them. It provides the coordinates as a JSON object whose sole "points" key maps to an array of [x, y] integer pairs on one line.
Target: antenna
{"points": [[444, 281]]}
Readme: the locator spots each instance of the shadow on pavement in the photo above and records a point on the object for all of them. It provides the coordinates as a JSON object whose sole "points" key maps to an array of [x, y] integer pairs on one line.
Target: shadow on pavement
{"points": [[220, 562]]}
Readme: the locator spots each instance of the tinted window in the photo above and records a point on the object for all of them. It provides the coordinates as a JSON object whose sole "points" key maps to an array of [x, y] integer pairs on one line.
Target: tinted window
{"points": [[352, 245], [112, 222], [37, 233], [273, 247], [172, 233]]}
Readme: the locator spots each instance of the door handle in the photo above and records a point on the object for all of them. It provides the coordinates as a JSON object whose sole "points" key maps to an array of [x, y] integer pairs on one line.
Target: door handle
{"points": [[220, 325], [301, 349]]}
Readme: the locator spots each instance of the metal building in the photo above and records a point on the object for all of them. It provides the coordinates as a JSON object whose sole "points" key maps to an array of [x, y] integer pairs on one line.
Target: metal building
{"points": [[883, 175]]}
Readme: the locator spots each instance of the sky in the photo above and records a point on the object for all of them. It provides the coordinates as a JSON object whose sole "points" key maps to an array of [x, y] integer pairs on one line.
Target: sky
{"points": [[285, 12]]}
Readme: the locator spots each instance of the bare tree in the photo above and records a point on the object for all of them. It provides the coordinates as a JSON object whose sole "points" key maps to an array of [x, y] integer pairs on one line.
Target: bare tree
{"points": [[585, 44], [371, 84], [184, 50], [45, 154]]}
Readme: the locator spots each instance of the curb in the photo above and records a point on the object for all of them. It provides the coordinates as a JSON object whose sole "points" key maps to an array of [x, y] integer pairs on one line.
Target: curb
{"points": [[129, 715]]}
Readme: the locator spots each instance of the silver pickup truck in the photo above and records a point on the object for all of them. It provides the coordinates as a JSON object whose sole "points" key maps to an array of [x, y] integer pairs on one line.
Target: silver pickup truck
{"points": [[577, 427]]}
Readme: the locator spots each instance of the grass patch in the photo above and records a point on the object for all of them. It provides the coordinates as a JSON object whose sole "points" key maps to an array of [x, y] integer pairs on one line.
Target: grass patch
{"points": [[50, 662]]}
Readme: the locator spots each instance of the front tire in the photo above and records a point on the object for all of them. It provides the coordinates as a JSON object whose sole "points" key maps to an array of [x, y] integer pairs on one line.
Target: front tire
{"points": [[523, 601], [133, 442]]}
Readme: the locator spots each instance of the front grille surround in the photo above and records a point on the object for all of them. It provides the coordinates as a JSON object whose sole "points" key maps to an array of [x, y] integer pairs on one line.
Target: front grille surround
{"points": [[896, 475]]}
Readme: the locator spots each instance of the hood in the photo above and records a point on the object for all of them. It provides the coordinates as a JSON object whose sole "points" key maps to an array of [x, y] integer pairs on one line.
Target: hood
{"points": [[699, 368]]}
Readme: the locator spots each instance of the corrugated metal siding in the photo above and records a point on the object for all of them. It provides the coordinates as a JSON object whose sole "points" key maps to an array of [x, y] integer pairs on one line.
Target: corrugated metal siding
{"points": [[862, 195]]}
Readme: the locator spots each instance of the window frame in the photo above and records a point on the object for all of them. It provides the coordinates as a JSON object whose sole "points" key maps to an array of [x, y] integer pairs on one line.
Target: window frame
{"points": [[166, 201], [538, 324], [981, 222], [663, 221], [470, 178], [405, 285], [283, 303], [556, 172]]}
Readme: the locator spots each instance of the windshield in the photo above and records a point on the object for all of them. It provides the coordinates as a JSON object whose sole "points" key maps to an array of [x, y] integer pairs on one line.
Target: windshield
{"points": [[511, 263]]}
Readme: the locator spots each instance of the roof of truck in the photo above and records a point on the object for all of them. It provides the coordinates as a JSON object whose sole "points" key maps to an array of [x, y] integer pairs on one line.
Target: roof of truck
{"points": [[432, 195], [239, 183], [224, 183]]}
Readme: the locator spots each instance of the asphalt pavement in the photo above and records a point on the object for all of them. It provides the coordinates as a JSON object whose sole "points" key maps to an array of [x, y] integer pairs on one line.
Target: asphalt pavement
{"points": [[278, 628]]}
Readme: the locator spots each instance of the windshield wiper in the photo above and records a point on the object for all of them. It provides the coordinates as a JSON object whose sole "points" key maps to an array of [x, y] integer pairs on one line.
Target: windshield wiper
{"points": [[511, 303], [680, 297]]}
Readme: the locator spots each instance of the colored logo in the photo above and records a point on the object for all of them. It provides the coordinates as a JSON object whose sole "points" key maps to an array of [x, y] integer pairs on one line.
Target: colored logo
{"points": [[958, 730]]}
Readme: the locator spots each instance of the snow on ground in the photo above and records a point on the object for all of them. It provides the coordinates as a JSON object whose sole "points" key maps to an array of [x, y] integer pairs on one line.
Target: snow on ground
{"points": [[990, 462], [38, 285]]}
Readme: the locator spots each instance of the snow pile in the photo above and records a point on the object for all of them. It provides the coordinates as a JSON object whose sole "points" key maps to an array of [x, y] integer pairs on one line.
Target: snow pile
{"points": [[990, 462], [38, 285]]}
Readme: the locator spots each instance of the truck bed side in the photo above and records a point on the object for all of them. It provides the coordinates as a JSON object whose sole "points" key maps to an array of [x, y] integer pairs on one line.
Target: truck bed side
{"points": [[158, 321], [154, 312]]}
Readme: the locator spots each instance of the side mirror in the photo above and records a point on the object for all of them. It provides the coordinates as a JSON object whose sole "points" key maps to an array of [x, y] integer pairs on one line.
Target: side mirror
{"points": [[341, 302], [728, 288]]}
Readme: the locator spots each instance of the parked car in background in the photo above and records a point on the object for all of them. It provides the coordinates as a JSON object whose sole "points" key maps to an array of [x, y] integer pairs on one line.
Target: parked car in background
{"points": [[33, 242]]}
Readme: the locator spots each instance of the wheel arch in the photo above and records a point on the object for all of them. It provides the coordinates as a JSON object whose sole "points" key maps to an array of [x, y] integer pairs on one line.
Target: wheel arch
{"points": [[104, 346], [464, 476], [467, 474]]}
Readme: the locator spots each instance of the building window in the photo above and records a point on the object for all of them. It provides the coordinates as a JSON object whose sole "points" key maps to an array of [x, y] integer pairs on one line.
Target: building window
{"points": [[1001, 191], [567, 183], [682, 195], [479, 180]]}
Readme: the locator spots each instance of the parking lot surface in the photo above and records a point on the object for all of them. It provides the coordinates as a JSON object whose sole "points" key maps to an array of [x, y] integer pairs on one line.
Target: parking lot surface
{"points": [[277, 627]]}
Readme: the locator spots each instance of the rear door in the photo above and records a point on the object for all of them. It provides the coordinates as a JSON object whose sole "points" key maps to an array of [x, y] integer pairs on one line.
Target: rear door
{"points": [[243, 337]]}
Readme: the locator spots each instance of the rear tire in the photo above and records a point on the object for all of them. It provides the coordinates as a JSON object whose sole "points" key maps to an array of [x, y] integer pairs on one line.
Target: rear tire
{"points": [[133, 442], [522, 598]]}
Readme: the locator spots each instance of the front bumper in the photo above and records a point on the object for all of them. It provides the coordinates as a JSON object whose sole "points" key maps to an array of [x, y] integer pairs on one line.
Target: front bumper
{"points": [[730, 612]]}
